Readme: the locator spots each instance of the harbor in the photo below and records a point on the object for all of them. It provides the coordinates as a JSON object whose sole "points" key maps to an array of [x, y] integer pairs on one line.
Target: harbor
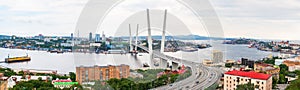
{"points": [[67, 62]]}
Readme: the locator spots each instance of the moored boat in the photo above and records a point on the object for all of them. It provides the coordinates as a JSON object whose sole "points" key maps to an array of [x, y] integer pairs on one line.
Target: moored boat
{"points": [[17, 59], [189, 49]]}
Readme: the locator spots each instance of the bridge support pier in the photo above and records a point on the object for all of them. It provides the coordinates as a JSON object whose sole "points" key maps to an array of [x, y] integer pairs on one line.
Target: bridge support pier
{"points": [[175, 66], [169, 64], [163, 63]]}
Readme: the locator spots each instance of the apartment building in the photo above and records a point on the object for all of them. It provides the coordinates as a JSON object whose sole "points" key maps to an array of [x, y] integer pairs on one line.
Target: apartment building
{"points": [[247, 62], [89, 74], [267, 69], [292, 64], [233, 78]]}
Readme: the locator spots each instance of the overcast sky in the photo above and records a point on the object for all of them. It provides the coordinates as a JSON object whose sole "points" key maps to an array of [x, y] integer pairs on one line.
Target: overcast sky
{"points": [[261, 19]]}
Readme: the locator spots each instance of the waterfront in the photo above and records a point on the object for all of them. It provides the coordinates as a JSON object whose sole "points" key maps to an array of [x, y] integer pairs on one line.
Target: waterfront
{"points": [[233, 52], [67, 62]]}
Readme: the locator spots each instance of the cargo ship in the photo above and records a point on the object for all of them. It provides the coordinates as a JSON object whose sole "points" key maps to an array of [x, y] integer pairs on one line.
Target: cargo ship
{"points": [[17, 59]]}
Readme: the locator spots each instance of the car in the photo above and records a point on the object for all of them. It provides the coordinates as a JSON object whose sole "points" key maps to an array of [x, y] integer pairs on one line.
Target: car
{"points": [[197, 82], [187, 87], [170, 85]]}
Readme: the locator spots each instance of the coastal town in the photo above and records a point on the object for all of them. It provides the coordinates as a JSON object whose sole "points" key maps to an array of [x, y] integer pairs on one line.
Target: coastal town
{"points": [[149, 45], [272, 72]]}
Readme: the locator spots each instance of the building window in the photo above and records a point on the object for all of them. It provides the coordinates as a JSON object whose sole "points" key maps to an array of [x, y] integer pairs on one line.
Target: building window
{"points": [[107, 74], [121, 72], [101, 75], [86, 75]]}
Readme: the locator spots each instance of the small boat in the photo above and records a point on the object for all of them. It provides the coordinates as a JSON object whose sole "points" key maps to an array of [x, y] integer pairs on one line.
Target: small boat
{"points": [[53, 51], [17, 59], [59, 52], [189, 49]]}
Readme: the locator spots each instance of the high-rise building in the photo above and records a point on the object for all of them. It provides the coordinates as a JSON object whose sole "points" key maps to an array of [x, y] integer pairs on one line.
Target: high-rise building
{"points": [[217, 56], [91, 36], [88, 74], [97, 38], [71, 35], [249, 63], [233, 78], [103, 37]]}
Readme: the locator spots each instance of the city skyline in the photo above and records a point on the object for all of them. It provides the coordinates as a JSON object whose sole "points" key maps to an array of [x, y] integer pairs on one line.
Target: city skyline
{"points": [[267, 20]]}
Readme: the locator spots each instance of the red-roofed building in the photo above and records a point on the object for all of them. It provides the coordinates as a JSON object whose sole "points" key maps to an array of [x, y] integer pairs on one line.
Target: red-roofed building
{"points": [[233, 78], [267, 69]]}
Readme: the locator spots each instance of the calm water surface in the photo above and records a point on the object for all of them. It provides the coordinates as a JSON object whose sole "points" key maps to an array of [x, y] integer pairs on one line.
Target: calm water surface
{"points": [[67, 62]]}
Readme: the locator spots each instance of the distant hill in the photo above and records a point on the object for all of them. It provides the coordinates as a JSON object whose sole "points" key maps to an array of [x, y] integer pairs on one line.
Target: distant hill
{"points": [[182, 37], [4, 37]]}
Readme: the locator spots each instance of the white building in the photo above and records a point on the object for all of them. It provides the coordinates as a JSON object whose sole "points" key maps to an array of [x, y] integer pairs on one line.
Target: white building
{"points": [[217, 56], [233, 78], [67, 44], [293, 68], [95, 44], [284, 55], [279, 61]]}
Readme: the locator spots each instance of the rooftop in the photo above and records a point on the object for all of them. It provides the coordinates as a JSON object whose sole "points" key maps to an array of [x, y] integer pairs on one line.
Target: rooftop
{"points": [[264, 64], [250, 74], [291, 63]]}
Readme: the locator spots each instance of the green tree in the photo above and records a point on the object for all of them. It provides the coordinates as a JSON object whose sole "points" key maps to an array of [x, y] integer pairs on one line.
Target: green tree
{"points": [[282, 79], [294, 85], [7, 72], [283, 71], [21, 73], [274, 82], [229, 65], [248, 86], [283, 68], [72, 76], [30, 85]]}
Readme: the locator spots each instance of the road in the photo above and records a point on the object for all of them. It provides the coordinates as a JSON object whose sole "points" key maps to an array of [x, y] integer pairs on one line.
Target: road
{"points": [[206, 76]]}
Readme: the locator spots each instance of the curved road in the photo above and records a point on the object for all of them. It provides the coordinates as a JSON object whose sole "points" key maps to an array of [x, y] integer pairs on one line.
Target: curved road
{"points": [[205, 76]]}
